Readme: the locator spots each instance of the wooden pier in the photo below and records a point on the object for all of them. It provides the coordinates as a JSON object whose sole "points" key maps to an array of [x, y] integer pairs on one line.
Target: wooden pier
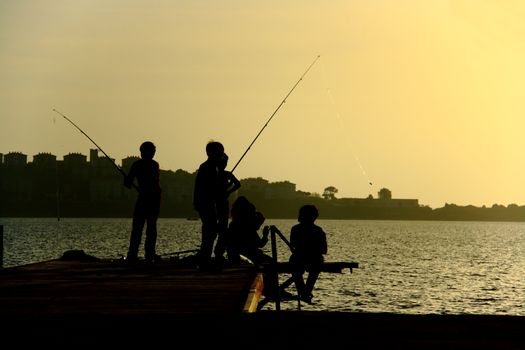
{"points": [[97, 286], [78, 283], [97, 303]]}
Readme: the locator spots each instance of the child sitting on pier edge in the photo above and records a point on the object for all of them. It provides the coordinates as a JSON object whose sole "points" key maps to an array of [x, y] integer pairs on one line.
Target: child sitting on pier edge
{"points": [[308, 245]]}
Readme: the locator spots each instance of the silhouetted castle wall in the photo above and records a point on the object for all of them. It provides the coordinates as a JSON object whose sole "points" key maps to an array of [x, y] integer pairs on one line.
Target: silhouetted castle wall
{"points": [[78, 187]]}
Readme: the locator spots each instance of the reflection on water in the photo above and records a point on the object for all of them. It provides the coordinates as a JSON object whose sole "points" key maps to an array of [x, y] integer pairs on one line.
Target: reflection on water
{"points": [[404, 266]]}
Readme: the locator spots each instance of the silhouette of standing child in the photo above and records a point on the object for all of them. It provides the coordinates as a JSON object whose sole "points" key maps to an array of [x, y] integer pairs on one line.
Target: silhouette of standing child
{"points": [[229, 184], [146, 171], [207, 191], [308, 244]]}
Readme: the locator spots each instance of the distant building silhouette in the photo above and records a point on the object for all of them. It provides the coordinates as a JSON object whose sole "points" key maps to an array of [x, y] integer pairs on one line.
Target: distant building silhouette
{"points": [[44, 161], [128, 161], [15, 159], [379, 203], [78, 187], [384, 193]]}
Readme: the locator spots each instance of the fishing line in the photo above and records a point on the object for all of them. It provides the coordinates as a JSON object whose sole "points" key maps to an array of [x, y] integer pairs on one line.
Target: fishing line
{"points": [[343, 127], [274, 112]]}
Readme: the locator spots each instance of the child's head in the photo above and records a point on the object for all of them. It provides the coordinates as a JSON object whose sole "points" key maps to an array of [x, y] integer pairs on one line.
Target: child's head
{"points": [[242, 208], [147, 150], [215, 150], [308, 214]]}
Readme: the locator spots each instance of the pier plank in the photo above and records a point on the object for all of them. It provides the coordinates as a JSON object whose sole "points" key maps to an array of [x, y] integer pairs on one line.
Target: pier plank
{"points": [[111, 304], [114, 287]]}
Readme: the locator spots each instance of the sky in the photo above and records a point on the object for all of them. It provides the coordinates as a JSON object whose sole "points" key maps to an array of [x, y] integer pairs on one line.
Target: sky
{"points": [[424, 98]]}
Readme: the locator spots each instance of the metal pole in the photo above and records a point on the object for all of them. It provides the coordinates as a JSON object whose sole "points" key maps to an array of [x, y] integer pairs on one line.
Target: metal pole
{"points": [[274, 270], [274, 228], [1, 246]]}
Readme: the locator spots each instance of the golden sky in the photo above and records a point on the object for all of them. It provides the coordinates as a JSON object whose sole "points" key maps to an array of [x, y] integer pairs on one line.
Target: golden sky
{"points": [[424, 98]]}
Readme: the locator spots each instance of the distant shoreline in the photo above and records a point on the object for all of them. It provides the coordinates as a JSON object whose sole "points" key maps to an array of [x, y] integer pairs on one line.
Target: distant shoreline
{"points": [[270, 218], [78, 187]]}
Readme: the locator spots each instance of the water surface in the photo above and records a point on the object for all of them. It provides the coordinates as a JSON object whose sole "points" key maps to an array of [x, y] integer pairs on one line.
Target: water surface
{"points": [[404, 266]]}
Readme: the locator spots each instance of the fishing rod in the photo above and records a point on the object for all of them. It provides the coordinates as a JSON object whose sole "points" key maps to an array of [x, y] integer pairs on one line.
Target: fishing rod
{"points": [[101, 150], [181, 252], [273, 114]]}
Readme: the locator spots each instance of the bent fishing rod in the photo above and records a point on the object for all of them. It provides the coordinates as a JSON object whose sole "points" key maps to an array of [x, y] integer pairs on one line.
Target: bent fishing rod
{"points": [[101, 150], [275, 112]]}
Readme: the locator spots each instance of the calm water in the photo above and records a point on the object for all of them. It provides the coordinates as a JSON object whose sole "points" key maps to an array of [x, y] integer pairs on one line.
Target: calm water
{"points": [[404, 266]]}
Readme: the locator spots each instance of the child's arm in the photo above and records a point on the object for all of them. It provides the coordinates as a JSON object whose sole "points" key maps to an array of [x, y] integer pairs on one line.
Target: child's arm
{"points": [[233, 182], [324, 244], [264, 239], [128, 180]]}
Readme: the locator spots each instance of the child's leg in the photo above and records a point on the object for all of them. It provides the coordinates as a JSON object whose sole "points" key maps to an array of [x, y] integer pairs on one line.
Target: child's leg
{"points": [[222, 219], [299, 282], [136, 235], [310, 281], [151, 238]]}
